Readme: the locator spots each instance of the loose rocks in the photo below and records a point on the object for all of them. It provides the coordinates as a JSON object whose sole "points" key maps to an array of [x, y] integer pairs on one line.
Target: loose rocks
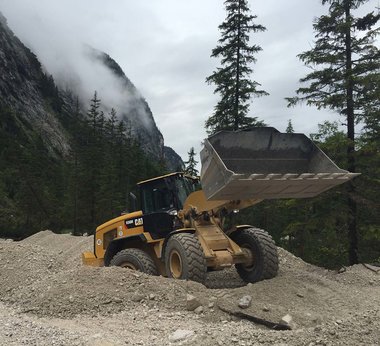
{"points": [[47, 297], [245, 302], [192, 302], [181, 334]]}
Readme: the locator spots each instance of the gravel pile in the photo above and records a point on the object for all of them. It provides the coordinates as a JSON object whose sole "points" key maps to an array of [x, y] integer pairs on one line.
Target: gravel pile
{"points": [[47, 297]]}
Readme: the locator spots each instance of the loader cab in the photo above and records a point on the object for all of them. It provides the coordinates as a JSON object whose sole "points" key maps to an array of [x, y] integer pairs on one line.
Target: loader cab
{"points": [[161, 198], [167, 193]]}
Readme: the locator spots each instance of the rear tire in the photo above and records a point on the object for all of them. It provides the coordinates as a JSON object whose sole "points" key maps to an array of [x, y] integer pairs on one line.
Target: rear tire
{"points": [[134, 259], [184, 258], [264, 253]]}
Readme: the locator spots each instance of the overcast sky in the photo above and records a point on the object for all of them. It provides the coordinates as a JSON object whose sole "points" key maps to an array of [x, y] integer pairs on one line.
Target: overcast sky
{"points": [[164, 47]]}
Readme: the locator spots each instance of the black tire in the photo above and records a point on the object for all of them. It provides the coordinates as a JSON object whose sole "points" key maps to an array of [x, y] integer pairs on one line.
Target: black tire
{"points": [[264, 252], [184, 258], [135, 259]]}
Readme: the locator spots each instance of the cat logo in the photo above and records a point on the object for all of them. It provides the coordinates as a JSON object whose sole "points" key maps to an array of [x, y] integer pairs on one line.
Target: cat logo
{"points": [[139, 221]]}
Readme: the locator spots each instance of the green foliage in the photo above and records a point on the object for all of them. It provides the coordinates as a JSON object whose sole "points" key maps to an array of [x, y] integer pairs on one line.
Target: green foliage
{"points": [[31, 179], [50, 91], [316, 229], [289, 128], [232, 78], [333, 142], [76, 193], [191, 164], [105, 167], [368, 187], [345, 52], [345, 77]]}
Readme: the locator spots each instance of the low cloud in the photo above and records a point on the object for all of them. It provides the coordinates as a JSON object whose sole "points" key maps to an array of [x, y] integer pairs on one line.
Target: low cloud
{"points": [[164, 48], [54, 33]]}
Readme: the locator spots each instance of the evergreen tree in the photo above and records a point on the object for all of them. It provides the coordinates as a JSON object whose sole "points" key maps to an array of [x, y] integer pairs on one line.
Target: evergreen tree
{"points": [[92, 159], [111, 125], [289, 128], [77, 192], [191, 164], [346, 68], [75, 171], [95, 119], [232, 79]]}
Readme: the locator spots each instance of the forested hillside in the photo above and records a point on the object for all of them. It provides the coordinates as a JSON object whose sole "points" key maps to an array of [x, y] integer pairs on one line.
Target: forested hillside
{"points": [[67, 163], [77, 192]]}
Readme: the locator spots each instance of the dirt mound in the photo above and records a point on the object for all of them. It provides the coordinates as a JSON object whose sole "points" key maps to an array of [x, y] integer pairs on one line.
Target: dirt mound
{"points": [[65, 248], [43, 276], [103, 291]]}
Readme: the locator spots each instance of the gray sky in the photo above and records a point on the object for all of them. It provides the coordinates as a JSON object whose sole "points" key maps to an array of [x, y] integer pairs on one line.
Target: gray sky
{"points": [[164, 47]]}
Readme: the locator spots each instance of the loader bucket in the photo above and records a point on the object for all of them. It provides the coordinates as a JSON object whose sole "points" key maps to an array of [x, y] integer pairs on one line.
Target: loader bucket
{"points": [[263, 163]]}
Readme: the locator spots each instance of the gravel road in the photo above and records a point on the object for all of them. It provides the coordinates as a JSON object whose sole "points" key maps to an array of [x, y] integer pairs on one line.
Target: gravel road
{"points": [[48, 298]]}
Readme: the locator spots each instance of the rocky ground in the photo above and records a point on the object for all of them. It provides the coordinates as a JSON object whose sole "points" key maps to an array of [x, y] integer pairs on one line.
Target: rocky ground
{"points": [[48, 298]]}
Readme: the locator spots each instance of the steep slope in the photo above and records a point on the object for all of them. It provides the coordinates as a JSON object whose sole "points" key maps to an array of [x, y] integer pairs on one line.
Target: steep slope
{"points": [[173, 160], [22, 89], [58, 169], [134, 109], [32, 93]]}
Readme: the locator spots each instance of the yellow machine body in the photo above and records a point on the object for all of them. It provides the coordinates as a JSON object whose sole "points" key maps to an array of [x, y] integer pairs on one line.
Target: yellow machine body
{"points": [[219, 250], [239, 169]]}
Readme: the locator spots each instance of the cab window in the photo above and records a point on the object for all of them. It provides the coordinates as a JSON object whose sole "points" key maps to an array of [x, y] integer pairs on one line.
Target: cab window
{"points": [[156, 197]]}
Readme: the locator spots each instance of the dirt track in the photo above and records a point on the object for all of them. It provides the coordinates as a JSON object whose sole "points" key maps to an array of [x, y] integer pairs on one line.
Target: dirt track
{"points": [[47, 297]]}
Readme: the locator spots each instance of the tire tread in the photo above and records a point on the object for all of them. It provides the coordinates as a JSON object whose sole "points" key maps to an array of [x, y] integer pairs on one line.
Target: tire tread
{"points": [[196, 261], [146, 261], [269, 256]]}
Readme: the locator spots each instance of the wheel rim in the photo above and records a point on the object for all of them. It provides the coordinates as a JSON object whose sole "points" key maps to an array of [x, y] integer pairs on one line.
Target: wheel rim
{"points": [[251, 263], [128, 265], [175, 264]]}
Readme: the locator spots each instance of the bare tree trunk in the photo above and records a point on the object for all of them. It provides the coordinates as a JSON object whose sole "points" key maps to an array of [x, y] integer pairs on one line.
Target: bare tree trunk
{"points": [[352, 208], [237, 76]]}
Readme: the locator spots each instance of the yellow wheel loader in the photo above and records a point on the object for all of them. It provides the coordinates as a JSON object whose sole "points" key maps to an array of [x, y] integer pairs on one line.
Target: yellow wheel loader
{"points": [[179, 229]]}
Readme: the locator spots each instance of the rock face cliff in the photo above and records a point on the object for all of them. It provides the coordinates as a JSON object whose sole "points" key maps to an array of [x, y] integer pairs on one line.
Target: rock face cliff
{"points": [[65, 165], [21, 89], [32, 93], [173, 160], [135, 110]]}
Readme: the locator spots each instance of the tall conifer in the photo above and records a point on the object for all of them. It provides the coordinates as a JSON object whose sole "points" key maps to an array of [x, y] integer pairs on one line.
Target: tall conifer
{"points": [[289, 128], [191, 164], [232, 78], [345, 74]]}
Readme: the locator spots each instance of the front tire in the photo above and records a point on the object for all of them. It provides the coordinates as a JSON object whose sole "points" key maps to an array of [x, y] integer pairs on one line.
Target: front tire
{"points": [[134, 259], [184, 258], [263, 251]]}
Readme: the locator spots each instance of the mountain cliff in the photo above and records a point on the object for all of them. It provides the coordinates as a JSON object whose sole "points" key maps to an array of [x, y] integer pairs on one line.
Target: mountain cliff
{"points": [[66, 162], [134, 110], [22, 89], [25, 88]]}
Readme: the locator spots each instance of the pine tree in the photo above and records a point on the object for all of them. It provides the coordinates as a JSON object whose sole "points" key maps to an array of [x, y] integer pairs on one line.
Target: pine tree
{"points": [[345, 78], [75, 172], [232, 79], [93, 113], [111, 125], [289, 128], [93, 158], [191, 164]]}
